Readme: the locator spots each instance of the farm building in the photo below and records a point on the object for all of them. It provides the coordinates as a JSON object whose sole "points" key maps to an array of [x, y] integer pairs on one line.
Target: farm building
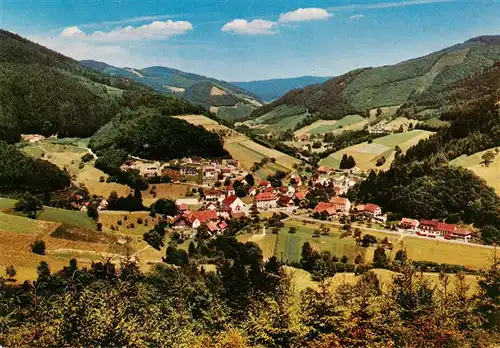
{"points": [[265, 200], [341, 204]]}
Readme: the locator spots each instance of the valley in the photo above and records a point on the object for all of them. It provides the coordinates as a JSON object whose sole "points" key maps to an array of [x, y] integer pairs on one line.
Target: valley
{"points": [[142, 205]]}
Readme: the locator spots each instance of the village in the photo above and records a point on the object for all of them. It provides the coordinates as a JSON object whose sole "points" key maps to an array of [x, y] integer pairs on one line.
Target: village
{"points": [[227, 191]]}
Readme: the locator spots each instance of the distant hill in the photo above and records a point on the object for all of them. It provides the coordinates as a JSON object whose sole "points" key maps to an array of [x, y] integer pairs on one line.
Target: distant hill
{"points": [[227, 100], [362, 90], [44, 92], [270, 90]]}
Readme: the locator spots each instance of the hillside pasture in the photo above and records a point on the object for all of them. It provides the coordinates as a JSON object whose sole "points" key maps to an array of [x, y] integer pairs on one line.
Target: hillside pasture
{"points": [[350, 122], [247, 152], [366, 155], [490, 174], [280, 119], [70, 217], [386, 110], [243, 149]]}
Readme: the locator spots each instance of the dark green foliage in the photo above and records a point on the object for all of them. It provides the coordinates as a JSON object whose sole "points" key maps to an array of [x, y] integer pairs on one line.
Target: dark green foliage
{"points": [[150, 133], [379, 258], [19, 172], [165, 207], [368, 240], [380, 161], [154, 239], [250, 179], [197, 88], [326, 99], [87, 157], [38, 247], [129, 203], [29, 204], [64, 97], [347, 162], [92, 212], [176, 256]]}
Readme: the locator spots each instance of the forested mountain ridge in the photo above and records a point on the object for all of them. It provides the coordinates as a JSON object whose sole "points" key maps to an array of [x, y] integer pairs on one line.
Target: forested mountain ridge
{"points": [[44, 92], [362, 90], [201, 90]]}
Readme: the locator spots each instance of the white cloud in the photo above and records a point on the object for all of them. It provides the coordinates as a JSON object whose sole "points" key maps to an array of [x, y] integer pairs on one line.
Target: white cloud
{"points": [[255, 27], [79, 50], [156, 30], [72, 32], [304, 14], [357, 16], [129, 20]]}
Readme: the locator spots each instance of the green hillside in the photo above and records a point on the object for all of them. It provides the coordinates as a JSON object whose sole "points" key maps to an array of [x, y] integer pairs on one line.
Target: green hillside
{"points": [[413, 81], [236, 103], [44, 92]]}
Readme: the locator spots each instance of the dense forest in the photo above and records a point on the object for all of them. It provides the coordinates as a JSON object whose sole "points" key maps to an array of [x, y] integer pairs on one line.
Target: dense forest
{"points": [[248, 302], [19, 173], [421, 183], [150, 133]]}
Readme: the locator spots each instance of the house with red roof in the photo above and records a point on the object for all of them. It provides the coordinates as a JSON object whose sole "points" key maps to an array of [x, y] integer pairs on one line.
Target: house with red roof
{"points": [[409, 224], [445, 229], [266, 200], [325, 207], [210, 173], [285, 201], [372, 210], [300, 195], [460, 233], [203, 216], [233, 203], [264, 184], [296, 178], [341, 204], [324, 170], [428, 228]]}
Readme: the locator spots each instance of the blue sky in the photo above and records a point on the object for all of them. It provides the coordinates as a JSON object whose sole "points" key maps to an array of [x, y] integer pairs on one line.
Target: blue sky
{"points": [[254, 39]]}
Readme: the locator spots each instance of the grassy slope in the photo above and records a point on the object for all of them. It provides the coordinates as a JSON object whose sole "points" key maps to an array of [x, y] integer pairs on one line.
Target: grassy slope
{"points": [[393, 85], [473, 162], [366, 155], [241, 148]]}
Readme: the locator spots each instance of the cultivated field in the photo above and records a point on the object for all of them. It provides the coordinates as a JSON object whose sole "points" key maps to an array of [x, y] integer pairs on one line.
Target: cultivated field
{"points": [[267, 242], [350, 122], [386, 110], [278, 120], [490, 174], [366, 155], [241, 148], [289, 246]]}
